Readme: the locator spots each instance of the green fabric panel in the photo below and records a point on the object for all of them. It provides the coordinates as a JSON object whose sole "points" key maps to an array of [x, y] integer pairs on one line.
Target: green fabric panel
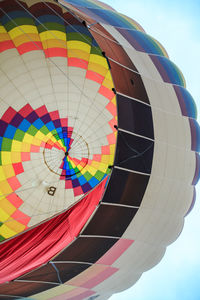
{"points": [[6, 144], [99, 175], [75, 36], [19, 135], [18, 22], [44, 130], [87, 176], [32, 130], [51, 26], [96, 50], [1, 238]]}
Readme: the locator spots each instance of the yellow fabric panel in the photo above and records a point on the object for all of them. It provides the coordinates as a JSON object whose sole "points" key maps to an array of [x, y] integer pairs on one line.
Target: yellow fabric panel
{"points": [[108, 76], [97, 68], [6, 158], [107, 83], [15, 225], [90, 169], [3, 215], [99, 166], [28, 138], [40, 136], [57, 291], [53, 139], [36, 142], [26, 147], [95, 164], [54, 43], [52, 35], [23, 29], [5, 188], [7, 206], [6, 232], [73, 164], [16, 157], [79, 46], [2, 29], [114, 100], [2, 174], [79, 54], [49, 135], [100, 60], [16, 146], [112, 148], [26, 38], [106, 159], [8, 171], [60, 143], [4, 37]]}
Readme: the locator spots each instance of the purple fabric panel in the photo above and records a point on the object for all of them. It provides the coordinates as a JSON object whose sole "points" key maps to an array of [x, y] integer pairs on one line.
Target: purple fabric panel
{"points": [[130, 39], [197, 170], [193, 203], [160, 68], [181, 100]]}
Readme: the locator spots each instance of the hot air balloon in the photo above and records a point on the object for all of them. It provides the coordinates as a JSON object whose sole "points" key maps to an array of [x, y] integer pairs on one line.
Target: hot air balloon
{"points": [[99, 150]]}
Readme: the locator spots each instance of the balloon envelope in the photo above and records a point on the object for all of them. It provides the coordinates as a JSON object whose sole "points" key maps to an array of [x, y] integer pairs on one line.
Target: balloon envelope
{"points": [[99, 150]]}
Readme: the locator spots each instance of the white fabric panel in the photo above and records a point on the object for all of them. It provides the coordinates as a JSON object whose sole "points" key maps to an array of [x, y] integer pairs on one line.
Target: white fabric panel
{"points": [[138, 258], [169, 196], [118, 282], [154, 227], [166, 157], [162, 95], [171, 129], [144, 64]]}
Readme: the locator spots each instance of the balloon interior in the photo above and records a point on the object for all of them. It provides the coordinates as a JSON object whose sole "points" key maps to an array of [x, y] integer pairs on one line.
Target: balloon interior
{"points": [[99, 150]]}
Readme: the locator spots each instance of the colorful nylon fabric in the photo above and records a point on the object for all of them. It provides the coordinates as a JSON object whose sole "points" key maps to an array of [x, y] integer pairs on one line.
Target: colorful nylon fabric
{"points": [[61, 138]]}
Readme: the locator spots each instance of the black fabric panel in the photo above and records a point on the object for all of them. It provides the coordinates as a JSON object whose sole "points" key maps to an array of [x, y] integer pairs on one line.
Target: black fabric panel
{"points": [[134, 153], [86, 249], [128, 83], [48, 273], [126, 188], [110, 220], [4, 297], [40, 9], [10, 5], [24, 289], [134, 116]]}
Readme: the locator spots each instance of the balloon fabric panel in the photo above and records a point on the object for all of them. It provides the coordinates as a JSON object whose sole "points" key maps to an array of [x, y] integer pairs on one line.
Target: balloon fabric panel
{"points": [[37, 32]]}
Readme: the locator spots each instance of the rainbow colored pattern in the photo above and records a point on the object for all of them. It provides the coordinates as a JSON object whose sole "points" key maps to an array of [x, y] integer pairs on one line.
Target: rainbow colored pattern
{"points": [[31, 130]]}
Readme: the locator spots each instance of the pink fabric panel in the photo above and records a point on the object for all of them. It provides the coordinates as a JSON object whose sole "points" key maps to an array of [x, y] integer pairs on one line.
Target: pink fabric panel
{"points": [[109, 271], [115, 252], [38, 245], [86, 275]]}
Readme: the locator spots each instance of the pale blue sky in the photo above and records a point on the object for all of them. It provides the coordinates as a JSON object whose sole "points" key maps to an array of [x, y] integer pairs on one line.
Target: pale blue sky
{"points": [[176, 24]]}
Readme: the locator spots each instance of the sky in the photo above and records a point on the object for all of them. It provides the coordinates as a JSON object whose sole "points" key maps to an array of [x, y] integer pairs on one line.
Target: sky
{"points": [[176, 25]]}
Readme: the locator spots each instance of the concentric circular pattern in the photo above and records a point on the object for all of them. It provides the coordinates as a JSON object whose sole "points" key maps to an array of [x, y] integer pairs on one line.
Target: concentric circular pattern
{"points": [[58, 112], [68, 160], [45, 165]]}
